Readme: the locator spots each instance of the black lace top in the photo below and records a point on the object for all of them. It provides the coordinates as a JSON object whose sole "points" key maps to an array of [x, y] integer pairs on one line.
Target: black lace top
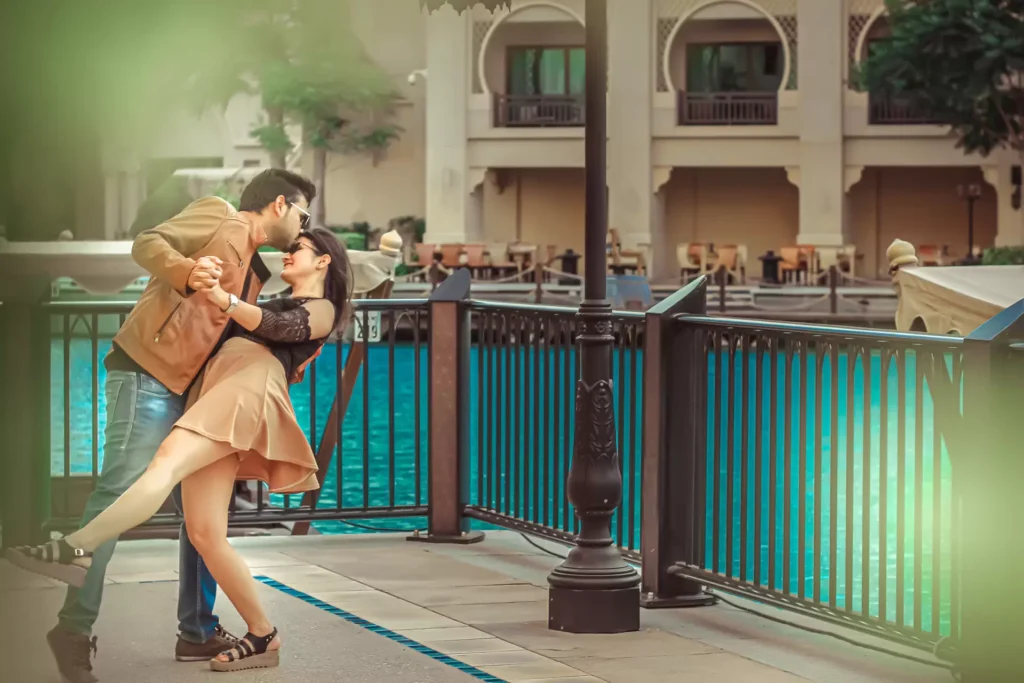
{"points": [[284, 330]]}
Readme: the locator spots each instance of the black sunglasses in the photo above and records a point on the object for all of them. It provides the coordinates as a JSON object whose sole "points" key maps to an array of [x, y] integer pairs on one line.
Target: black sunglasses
{"points": [[304, 215], [297, 245]]}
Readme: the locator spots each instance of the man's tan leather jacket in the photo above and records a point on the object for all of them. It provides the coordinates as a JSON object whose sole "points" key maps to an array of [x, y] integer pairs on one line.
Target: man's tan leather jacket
{"points": [[171, 332]]}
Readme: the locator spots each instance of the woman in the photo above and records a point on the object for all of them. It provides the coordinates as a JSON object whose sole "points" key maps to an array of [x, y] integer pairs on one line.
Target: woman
{"points": [[242, 426]]}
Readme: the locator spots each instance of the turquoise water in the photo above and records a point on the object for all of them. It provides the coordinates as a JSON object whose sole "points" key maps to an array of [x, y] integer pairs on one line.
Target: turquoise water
{"points": [[850, 440], [385, 443]]}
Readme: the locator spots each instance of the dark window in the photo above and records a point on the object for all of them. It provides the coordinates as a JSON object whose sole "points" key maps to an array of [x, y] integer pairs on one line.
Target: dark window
{"points": [[546, 71], [739, 67]]}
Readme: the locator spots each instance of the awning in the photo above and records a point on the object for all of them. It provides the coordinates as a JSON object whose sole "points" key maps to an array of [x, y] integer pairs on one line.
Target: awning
{"points": [[955, 299]]}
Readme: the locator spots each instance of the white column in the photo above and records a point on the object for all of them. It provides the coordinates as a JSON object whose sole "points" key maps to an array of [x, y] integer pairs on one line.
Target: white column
{"points": [[1009, 221], [632, 206], [821, 60], [123, 191], [449, 207]]}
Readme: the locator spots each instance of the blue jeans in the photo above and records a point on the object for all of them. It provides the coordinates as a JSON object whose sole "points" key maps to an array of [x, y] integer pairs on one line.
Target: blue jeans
{"points": [[140, 415]]}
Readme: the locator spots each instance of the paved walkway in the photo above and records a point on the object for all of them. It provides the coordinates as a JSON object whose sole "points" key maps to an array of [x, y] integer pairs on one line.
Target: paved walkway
{"points": [[470, 613]]}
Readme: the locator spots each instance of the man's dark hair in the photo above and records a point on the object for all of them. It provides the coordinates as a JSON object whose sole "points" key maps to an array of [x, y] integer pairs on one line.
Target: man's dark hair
{"points": [[273, 183]]}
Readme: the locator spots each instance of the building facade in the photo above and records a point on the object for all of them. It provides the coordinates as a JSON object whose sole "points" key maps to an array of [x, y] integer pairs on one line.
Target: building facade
{"points": [[729, 122]]}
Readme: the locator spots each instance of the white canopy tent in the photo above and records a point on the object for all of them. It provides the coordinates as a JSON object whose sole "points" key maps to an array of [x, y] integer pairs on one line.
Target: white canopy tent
{"points": [[954, 299], [949, 299]]}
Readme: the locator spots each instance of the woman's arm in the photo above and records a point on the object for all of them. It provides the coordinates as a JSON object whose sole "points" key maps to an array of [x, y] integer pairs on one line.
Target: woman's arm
{"points": [[312, 320]]}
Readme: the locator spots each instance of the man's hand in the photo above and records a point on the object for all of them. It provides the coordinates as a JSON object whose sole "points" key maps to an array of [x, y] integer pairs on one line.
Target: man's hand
{"points": [[206, 272]]}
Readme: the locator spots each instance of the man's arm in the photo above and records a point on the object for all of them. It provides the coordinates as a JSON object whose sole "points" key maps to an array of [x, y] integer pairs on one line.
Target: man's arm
{"points": [[164, 250]]}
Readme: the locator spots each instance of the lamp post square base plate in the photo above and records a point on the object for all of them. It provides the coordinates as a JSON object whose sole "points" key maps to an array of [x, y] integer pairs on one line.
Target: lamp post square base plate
{"points": [[699, 600], [465, 538], [593, 611]]}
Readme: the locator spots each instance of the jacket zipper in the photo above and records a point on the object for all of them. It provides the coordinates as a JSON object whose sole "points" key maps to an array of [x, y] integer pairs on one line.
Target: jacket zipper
{"points": [[160, 331]]}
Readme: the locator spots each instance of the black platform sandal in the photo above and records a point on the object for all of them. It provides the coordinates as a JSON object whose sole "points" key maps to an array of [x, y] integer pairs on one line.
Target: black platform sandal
{"points": [[53, 559], [250, 653]]}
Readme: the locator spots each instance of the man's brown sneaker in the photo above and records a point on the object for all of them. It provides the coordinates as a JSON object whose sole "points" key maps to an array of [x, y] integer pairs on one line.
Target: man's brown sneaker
{"points": [[187, 651], [73, 653]]}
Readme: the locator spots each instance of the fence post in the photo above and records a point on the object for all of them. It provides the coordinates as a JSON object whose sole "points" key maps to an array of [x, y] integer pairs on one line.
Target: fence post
{"points": [[25, 419], [673, 424], [833, 294], [723, 280], [989, 481], [449, 381], [538, 276]]}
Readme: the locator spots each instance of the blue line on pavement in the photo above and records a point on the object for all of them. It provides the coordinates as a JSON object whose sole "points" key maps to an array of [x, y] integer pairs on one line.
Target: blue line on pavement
{"points": [[380, 630]]}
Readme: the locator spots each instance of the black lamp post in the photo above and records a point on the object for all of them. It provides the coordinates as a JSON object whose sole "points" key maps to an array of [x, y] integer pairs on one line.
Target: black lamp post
{"points": [[594, 590], [971, 193]]}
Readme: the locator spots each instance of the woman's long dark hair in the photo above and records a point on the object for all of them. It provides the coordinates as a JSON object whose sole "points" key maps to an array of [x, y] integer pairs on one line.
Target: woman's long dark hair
{"points": [[338, 285]]}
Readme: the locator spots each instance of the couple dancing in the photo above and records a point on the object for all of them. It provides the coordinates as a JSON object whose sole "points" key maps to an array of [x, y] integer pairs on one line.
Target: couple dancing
{"points": [[174, 417]]}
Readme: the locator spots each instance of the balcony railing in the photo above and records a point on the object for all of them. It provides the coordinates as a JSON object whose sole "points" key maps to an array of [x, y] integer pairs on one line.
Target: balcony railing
{"points": [[891, 111], [728, 109], [538, 111]]}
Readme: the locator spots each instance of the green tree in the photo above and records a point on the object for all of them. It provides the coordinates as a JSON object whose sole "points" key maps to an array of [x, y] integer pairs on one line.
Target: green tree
{"points": [[962, 61], [308, 66], [96, 79], [85, 81]]}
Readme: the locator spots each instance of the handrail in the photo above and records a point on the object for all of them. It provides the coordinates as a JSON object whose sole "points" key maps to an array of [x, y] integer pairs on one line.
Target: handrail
{"points": [[477, 304], [728, 108], [538, 111], [830, 330]]}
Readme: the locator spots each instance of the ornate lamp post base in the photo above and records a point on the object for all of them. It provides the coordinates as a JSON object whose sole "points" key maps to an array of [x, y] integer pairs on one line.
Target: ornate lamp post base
{"points": [[602, 611], [594, 591]]}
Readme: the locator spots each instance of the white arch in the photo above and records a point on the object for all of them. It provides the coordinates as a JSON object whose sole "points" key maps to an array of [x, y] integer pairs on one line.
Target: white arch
{"points": [[481, 60], [665, 61], [863, 37]]}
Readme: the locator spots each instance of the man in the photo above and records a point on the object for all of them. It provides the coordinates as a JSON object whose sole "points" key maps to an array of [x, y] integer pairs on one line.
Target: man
{"points": [[155, 360]]}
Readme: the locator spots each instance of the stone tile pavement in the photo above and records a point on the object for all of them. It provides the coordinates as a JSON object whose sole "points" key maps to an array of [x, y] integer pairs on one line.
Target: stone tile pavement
{"points": [[484, 607]]}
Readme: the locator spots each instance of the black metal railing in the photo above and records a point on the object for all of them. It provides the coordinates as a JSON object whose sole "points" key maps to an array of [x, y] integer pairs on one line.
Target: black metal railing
{"points": [[822, 452], [810, 468], [377, 467], [538, 111], [728, 109], [884, 110], [830, 471], [523, 428]]}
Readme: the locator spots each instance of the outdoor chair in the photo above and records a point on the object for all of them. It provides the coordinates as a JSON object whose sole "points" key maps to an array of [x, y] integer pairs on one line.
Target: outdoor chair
{"points": [[693, 260]]}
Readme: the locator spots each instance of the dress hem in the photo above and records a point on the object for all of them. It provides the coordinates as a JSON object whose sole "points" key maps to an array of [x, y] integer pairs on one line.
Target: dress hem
{"points": [[310, 472]]}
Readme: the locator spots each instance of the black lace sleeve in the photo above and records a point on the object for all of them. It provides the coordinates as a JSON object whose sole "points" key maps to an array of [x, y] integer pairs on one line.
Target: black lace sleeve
{"points": [[288, 327]]}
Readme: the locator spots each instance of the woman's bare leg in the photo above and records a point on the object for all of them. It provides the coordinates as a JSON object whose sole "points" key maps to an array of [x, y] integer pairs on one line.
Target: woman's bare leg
{"points": [[182, 453], [205, 496]]}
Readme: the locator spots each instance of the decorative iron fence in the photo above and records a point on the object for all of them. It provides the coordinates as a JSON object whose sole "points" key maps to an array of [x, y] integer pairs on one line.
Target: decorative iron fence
{"points": [[363, 403], [806, 466], [811, 469], [522, 402]]}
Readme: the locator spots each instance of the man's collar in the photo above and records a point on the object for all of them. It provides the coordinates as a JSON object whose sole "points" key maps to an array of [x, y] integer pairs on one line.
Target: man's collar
{"points": [[256, 231]]}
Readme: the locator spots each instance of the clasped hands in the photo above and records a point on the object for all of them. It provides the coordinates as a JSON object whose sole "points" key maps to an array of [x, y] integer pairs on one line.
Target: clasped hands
{"points": [[205, 278]]}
